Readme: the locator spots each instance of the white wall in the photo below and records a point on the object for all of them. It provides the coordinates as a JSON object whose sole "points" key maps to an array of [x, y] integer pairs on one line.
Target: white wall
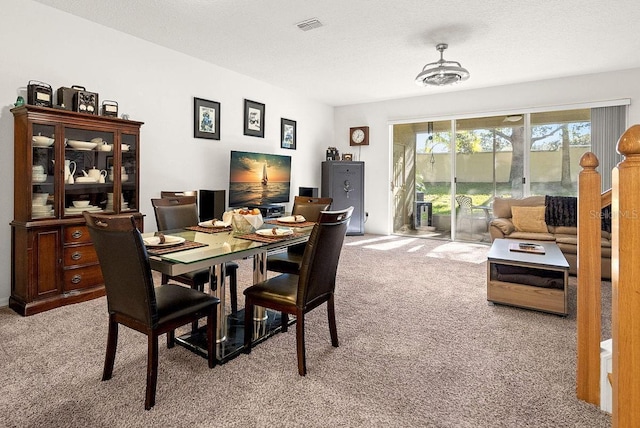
{"points": [[153, 85], [481, 102]]}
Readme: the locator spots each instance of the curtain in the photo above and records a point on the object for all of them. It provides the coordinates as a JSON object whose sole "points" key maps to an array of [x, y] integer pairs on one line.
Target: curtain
{"points": [[607, 125]]}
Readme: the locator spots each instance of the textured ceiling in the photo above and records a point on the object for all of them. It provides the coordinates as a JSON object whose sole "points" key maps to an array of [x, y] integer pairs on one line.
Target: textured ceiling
{"points": [[371, 50]]}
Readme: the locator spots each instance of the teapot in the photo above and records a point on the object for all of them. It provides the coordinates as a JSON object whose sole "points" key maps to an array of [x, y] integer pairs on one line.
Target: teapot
{"points": [[96, 173], [68, 171]]}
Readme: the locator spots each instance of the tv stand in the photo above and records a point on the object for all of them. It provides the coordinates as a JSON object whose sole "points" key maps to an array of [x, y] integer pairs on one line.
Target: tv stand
{"points": [[269, 210]]}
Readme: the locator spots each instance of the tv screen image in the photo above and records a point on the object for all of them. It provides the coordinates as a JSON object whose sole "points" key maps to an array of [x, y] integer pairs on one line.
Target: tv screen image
{"points": [[258, 179]]}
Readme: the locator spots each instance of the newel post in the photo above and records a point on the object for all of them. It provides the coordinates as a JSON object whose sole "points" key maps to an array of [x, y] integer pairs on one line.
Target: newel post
{"points": [[625, 258], [589, 281]]}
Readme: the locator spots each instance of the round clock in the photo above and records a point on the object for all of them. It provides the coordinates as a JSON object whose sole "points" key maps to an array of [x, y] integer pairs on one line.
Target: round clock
{"points": [[359, 136]]}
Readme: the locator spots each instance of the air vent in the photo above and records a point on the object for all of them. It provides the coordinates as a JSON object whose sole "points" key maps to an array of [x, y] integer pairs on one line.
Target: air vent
{"points": [[309, 24]]}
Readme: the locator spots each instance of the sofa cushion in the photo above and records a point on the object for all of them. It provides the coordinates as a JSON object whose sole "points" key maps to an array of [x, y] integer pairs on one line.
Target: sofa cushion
{"points": [[529, 219], [530, 236], [569, 244], [502, 206], [564, 230], [506, 226]]}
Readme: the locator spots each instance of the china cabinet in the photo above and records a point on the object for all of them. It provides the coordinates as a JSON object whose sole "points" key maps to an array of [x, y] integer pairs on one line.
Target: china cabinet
{"points": [[65, 163]]}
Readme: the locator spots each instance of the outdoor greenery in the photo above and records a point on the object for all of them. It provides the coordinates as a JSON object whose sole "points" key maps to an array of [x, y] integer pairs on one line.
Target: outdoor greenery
{"points": [[439, 194]]}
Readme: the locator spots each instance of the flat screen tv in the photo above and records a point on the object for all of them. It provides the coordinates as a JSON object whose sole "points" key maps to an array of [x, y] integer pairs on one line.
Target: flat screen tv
{"points": [[257, 179]]}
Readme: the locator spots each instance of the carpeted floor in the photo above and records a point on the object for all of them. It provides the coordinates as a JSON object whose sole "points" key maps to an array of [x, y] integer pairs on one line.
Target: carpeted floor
{"points": [[419, 347]]}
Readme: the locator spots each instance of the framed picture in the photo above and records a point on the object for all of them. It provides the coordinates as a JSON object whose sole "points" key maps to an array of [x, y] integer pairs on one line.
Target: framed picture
{"points": [[287, 133], [253, 118], [206, 119], [347, 156]]}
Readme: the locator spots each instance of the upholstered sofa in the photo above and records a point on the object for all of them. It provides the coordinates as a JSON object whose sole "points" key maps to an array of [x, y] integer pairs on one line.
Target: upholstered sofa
{"points": [[527, 218]]}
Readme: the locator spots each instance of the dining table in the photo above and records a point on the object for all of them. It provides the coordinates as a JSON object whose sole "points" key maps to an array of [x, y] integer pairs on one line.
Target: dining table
{"points": [[195, 248]]}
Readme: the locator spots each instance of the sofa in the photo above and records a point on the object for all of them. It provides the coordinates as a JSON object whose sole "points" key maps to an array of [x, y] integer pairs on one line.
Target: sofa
{"points": [[545, 218]]}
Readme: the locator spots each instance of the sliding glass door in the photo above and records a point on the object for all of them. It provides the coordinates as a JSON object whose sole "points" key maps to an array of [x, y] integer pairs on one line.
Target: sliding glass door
{"points": [[447, 173], [558, 141], [488, 162]]}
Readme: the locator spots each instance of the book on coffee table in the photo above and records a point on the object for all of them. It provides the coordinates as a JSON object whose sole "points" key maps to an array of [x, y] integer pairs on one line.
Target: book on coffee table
{"points": [[526, 247]]}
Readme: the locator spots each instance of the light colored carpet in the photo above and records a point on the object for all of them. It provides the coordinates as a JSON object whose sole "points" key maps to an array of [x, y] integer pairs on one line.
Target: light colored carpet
{"points": [[419, 347]]}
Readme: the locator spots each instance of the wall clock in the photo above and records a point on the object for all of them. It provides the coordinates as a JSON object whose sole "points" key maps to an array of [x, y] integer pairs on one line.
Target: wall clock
{"points": [[359, 136]]}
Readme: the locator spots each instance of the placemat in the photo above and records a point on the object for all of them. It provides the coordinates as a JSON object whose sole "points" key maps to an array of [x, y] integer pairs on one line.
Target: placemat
{"points": [[186, 245], [282, 223], [269, 239], [209, 229]]}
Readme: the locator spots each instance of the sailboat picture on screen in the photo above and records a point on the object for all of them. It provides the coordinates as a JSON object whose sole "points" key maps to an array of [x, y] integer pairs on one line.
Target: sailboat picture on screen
{"points": [[257, 179]]}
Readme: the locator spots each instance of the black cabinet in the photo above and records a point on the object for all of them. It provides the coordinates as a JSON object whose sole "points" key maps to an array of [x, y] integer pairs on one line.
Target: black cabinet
{"points": [[344, 182]]}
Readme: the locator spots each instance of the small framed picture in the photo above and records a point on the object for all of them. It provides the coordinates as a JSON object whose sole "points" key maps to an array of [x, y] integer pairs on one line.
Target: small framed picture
{"points": [[347, 156], [253, 118], [287, 133], [206, 119]]}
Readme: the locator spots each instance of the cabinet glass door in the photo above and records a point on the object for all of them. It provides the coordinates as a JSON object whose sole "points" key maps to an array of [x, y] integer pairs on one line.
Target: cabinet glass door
{"points": [[88, 155], [43, 166], [128, 173]]}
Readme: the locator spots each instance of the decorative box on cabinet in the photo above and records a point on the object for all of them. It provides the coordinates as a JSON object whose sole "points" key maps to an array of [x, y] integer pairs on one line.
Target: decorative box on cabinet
{"points": [[344, 182], [53, 260]]}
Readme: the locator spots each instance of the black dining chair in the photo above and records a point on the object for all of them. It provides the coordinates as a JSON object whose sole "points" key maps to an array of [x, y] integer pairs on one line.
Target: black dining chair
{"points": [[177, 212], [299, 294], [289, 261], [133, 301]]}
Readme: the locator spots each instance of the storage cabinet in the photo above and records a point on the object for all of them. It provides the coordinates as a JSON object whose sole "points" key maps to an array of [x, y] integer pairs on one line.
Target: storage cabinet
{"points": [[65, 163], [344, 182]]}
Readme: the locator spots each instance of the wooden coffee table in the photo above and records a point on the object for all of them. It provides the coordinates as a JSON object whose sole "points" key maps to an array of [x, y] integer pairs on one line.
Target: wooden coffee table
{"points": [[528, 280]]}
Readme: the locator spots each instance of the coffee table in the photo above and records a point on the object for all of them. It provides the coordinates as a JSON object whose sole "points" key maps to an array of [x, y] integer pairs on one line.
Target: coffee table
{"points": [[528, 280]]}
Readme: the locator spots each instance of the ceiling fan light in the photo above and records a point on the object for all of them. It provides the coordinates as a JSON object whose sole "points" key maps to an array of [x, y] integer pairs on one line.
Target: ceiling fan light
{"points": [[442, 72]]}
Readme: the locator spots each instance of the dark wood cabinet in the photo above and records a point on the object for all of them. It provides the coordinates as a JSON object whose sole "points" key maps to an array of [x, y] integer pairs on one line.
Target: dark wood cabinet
{"points": [[64, 163], [344, 182]]}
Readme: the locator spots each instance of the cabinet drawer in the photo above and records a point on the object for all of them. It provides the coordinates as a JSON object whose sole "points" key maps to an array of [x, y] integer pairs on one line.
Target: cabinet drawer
{"points": [[76, 234], [83, 277], [80, 255]]}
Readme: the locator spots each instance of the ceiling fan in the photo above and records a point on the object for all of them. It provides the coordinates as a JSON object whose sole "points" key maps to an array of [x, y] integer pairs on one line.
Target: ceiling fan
{"points": [[442, 72]]}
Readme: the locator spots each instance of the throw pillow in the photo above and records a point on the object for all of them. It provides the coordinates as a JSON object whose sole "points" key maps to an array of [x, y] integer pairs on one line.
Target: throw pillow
{"points": [[504, 225], [529, 219]]}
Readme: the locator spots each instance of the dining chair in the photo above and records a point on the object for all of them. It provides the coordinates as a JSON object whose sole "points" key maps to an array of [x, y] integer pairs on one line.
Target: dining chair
{"points": [[289, 261], [177, 212], [133, 301], [298, 294], [173, 194]]}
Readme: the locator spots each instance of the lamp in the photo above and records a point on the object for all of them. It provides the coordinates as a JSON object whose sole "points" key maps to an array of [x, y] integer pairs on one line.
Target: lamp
{"points": [[442, 72]]}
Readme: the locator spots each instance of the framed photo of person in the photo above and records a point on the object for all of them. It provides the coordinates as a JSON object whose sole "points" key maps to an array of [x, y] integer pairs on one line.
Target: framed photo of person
{"points": [[206, 119], [253, 118], [287, 133]]}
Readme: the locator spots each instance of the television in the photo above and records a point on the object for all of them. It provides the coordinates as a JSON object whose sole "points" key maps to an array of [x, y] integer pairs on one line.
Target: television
{"points": [[258, 179]]}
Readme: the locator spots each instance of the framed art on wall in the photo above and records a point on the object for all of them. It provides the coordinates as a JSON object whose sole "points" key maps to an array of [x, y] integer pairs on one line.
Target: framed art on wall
{"points": [[287, 133], [206, 119], [253, 118]]}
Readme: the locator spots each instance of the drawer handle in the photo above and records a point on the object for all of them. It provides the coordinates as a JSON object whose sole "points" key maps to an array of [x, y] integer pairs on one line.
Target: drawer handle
{"points": [[76, 234], [76, 279], [76, 256]]}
